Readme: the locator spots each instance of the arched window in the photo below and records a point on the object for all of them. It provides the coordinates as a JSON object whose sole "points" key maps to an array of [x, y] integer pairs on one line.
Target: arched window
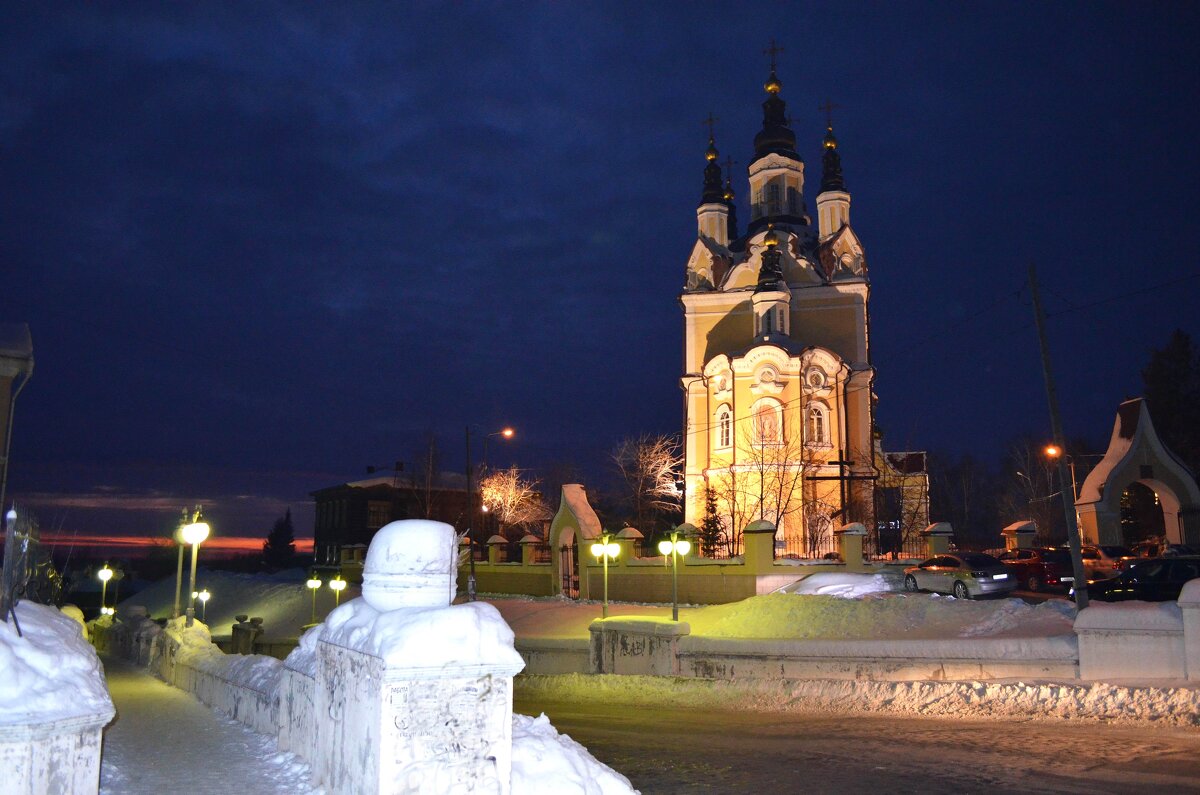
{"points": [[724, 427], [768, 422], [818, 424], [773, 198]]}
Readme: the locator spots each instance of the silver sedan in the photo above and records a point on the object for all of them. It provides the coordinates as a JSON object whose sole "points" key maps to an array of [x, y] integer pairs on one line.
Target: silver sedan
{"points": [[966, 575]]}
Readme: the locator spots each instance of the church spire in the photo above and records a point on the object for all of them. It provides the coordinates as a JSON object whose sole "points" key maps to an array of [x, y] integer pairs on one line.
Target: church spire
{"points": [[712, 215], [730, 198], [831, 160], [775, 136], [713, 192]]}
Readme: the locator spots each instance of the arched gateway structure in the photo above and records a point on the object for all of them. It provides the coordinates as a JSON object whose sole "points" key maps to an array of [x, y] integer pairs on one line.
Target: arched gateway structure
{"points": [[1136, 455]]}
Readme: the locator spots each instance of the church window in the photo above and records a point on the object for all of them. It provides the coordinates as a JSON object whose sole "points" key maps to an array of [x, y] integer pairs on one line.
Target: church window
{"points": [[768, 422], [724, 427], [766, 323], [793, 201], [773, 200], [818, 424]]}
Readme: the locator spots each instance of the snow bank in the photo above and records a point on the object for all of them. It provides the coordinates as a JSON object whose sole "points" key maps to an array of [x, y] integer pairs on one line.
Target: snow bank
{"points": [[1174, 706], [50, 672], [545, 762], [879, 616], [467, 634], [196, 649]]}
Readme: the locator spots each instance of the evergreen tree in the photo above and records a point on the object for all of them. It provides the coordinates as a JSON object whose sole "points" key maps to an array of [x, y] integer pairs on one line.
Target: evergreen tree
{"points": [[279, 549], [1172, 388], [712, 529]]}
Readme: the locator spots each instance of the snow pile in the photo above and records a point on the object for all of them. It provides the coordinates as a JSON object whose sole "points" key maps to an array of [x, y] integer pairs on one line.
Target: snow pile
{"points": [[467, 634], [1174, 706], [49, 672], [545, 762], [880, 616], [843, 584], [303, 658], [197, 650]]}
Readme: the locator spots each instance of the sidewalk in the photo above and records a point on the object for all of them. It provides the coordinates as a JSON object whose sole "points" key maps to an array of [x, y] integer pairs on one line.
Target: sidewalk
{"points": [[163, 740]]}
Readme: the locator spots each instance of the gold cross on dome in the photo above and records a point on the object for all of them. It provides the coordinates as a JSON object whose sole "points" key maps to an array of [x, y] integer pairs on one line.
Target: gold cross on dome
{"points": [[772, 51]]}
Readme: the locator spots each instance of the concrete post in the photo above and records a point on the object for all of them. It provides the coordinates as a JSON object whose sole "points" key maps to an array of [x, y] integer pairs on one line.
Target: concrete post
{"points": [[758, 541], [1020, 535], [937, 538], [628, 539], [528, 543], [495, 544], [850, 546]]}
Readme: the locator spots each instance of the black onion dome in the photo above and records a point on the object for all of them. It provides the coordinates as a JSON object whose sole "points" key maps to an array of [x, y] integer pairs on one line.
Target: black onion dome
{"points": [[831, 165], [714, 191]]}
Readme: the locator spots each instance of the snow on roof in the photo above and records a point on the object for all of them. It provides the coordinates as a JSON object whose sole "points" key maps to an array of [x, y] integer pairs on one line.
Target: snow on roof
{"points": [[1133, 430], [577, 512]]}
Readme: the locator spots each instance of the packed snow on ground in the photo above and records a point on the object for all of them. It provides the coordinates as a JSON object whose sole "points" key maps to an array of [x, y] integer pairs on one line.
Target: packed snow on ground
{"points": [[1017, 700], [48, 672], [280, 599]]}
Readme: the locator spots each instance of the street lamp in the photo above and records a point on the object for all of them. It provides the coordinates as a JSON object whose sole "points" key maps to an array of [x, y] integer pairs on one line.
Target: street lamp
{"points": [[1054, 451], [338, 585], [675, 547], [603, 550], [194, 534], [204, 596], [105, 574], [506, 433], [313, 584]]}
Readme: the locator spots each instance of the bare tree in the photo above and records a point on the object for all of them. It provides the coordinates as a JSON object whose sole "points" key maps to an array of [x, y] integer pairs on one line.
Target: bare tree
{"points": [[424, 480], [511, 498], [648, 466]]}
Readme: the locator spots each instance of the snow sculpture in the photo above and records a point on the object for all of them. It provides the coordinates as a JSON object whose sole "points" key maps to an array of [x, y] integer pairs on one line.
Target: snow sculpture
{"points": [[414, 694]]}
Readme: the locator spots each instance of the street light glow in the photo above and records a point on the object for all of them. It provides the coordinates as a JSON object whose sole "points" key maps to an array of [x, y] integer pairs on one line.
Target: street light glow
{"points": [[313, 583], [204, 595], [1053, 451], [337, 584], [508, 433], [194, 533], [105, 574]]}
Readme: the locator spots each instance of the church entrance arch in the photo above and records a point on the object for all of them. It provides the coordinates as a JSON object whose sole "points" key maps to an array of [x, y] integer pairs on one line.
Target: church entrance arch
{"points": [[1136, 455]]}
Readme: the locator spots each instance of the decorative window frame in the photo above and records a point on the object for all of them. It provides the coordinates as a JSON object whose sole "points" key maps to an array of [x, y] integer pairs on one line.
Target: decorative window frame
{"points": [[777, 408], [822, 411], [723, 427]]}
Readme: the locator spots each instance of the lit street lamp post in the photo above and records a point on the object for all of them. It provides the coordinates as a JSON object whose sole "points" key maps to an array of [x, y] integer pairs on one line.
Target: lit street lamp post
{"points": [[194, 534], [507, 433], [675, 547], [1053, 451], [204, 596], [604, 550], [338, 585], [105, 574], [313, 585]]}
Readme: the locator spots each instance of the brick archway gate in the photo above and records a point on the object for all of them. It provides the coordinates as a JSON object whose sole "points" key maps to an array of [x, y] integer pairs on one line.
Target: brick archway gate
{"points": [[1136, 455]]}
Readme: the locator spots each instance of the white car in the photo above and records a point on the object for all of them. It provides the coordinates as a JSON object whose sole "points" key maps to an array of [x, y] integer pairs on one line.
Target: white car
{"points": [[966, 575], [1102, 561]]}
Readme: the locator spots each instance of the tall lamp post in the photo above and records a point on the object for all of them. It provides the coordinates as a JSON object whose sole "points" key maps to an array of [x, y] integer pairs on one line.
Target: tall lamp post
{"points": [[105, 574], [675, 547], [194, 534], [204, 596], [604, 550], [313, 585], [1053, 451], [506, 433], [337, 584]]}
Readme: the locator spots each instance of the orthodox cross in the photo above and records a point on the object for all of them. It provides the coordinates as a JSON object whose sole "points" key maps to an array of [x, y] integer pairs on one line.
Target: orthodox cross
{"points": [[828, 109], [729, 164], [710, 122], [772, 51]]}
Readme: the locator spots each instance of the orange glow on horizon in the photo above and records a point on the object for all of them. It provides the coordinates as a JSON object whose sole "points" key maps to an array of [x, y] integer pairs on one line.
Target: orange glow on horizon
{"points": [[226, 544]]}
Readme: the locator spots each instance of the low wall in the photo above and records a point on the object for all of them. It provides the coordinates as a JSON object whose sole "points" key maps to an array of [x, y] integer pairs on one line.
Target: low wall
{"points": [[554, 655], [53, 758], [533, 579], [648, 647]]}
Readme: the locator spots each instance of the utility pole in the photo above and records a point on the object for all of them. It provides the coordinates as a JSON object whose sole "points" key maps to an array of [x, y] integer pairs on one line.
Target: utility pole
{"points": [[1081, 596]]}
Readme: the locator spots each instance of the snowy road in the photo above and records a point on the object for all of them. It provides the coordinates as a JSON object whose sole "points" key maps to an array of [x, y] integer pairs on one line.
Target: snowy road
{"points": [[702, 751], [163, 740]]}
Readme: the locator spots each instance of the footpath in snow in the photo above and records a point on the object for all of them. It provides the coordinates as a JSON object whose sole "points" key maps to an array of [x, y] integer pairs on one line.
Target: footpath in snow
{"points": [[163, 740]]}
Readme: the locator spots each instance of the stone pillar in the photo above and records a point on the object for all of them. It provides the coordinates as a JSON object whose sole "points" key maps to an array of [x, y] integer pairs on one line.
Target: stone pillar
{"points": [[528, 543], [937, 538], [758, 541], [494, 545], [414, 694], [1189, 604], [850, 546], [1020, 535], [629, 540]]}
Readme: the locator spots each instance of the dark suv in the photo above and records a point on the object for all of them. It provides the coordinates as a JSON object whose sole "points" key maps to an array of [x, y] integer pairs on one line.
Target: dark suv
{"points": [[1152, 580], [1039, 568]]}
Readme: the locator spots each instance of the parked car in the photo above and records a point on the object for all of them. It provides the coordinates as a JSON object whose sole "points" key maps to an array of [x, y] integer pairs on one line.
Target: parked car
{"points": [[1101, 561], [966, 575], [1152, 580], [1159, 547], [1039, 568]]}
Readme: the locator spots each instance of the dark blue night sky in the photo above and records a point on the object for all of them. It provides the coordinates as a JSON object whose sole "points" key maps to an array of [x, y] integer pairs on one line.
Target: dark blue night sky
{"points": [[260, 246]]}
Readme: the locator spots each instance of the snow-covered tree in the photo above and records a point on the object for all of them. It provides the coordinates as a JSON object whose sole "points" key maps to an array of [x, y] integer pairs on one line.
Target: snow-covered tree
{"points": [[511, 498]]}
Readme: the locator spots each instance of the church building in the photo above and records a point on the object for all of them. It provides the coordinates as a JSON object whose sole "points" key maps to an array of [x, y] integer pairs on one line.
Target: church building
{"points": [[777, 375]]}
